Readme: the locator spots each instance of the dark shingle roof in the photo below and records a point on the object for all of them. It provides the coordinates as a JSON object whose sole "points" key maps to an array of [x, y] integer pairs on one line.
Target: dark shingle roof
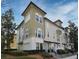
{"points": [[58, 21], [20, 24]]}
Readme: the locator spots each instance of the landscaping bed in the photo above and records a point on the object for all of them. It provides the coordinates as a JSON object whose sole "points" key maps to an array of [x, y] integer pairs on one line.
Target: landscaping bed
{"points": [[21, 53], [16, 57], [26, 55]]}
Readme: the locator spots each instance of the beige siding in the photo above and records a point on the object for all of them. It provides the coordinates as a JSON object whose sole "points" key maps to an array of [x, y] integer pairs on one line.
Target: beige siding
{"points": [[32, 24]]}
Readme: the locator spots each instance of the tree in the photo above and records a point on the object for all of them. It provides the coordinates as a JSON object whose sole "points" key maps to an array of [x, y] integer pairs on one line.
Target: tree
{"points": [[73, 35], [7, 29]]}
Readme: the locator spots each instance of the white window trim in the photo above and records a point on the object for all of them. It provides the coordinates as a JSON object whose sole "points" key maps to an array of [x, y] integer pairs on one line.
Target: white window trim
{"points": [[27, 18], [40, 17], [39, 31], [26, 33]]}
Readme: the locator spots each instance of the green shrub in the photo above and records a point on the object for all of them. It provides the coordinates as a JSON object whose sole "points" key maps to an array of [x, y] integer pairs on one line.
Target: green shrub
{"points": [[60, 51], [15, 53], [69, 50]]}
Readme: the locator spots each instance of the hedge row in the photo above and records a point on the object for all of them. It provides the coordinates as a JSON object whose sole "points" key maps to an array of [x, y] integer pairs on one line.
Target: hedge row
{"points": [[60, 51]]}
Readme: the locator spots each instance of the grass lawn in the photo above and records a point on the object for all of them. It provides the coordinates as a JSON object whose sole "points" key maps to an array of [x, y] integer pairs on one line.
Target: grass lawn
{"points": [[16, 57], [25, 58]]}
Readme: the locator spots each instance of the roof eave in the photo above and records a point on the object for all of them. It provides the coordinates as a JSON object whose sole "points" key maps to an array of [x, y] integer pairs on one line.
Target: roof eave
{"points": [[19, 24]]}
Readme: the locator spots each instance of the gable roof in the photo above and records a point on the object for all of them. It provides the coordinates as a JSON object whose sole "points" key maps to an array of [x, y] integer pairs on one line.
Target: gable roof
{"points": [[44, 17], [20, 24], [58, 21], [35, 6], [53, 23]]}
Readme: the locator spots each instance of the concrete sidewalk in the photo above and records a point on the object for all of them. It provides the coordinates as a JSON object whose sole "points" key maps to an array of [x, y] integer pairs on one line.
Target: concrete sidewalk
{"points": [[70, 57], [64, 56]]}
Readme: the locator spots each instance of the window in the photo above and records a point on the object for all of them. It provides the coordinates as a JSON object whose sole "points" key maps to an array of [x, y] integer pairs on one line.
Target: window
{"points": [[39, 33], [58, 39], [26, 33], [38, 19], [27, 18], [58, 32]]}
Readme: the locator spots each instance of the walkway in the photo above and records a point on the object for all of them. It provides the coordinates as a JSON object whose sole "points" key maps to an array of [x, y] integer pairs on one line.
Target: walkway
{"points": [[70, 57], [66, 56]]}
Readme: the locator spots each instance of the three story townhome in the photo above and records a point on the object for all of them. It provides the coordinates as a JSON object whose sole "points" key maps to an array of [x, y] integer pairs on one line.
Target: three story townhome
{"points": [[36, 32]]}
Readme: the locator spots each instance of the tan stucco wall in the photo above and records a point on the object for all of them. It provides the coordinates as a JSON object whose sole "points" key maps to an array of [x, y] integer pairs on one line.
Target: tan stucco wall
{"points": [[32, 24]]}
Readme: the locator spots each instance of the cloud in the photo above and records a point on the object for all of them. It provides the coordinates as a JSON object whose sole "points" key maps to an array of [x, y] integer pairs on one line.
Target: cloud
{"points": [[56, 9], [64, 12]]}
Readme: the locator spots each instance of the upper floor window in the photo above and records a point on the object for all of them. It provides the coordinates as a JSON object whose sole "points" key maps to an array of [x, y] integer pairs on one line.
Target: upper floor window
{"points": [[27, 18], [58, 32], [38, 19], [39, 33], [26, 33]]}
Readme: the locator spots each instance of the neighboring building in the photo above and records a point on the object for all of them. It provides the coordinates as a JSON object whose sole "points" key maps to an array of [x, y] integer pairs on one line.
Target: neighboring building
{"points": [[13, 44], [36, 32], [69, 44]]}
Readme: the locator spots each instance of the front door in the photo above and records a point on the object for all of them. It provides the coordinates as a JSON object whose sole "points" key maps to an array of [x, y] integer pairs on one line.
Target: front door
{"points": [[41, 46]]}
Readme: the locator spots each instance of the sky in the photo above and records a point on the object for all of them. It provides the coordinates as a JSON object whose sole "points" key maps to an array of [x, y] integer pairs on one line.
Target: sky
{"points": [[64, 10]]}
